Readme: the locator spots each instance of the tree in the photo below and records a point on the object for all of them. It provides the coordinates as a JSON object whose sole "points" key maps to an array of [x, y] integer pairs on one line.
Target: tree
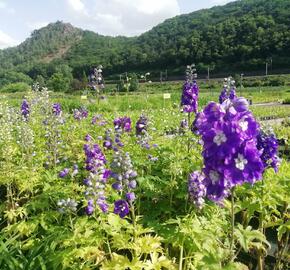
{"points": [[58, 82]]}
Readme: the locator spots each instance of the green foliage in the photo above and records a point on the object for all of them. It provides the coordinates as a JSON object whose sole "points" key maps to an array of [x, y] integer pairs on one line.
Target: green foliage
{"points": [[134, 83], [239, 36], [58, 82], [7, 77], [15, 87]]}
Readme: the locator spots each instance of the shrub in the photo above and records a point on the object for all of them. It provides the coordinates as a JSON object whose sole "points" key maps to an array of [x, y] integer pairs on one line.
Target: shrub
{"points": [[15, 87]]}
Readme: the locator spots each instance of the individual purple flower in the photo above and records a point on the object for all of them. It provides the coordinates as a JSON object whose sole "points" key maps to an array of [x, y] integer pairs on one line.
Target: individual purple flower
{"points": [[56, 109], [121, 208], [130, 196], [241, 104], [123, 124], [196, 189], [90, 207], [63, 173], [88, 137], [267, 143], [25, 109]]}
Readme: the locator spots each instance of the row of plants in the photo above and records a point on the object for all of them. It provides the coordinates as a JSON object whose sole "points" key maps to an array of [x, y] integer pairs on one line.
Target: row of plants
{"points": [[84, 190]]}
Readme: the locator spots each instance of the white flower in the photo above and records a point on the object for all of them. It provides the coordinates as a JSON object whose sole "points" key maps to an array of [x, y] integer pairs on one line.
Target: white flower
{"points": [[243, 125], [214, 176], [219, 138], [241, 162]]}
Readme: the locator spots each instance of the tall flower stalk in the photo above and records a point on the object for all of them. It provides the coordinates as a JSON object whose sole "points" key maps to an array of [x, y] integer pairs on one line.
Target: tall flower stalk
{"points": [[189, 97], [97, 178], [235, 151]]}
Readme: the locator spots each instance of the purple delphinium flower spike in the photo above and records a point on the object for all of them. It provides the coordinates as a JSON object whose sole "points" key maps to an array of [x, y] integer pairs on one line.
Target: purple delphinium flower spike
{"points": [[96, 181], [25, 109], [268, 146], [56, 108], [231, 157], [196, 188]]}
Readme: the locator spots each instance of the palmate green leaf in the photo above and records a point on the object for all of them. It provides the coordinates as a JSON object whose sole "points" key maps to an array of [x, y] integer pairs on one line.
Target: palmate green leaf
{"points": [[249, 238], [119, 262], [88, 255], [145, 244], [23, 228], [159, 262]]}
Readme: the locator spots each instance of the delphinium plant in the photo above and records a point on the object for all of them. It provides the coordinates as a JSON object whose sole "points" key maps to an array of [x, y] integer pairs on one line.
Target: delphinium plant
{"points": [[97, 178], [189, 97], [228, 91], [53, 134], [235, 151], [96, 81]]}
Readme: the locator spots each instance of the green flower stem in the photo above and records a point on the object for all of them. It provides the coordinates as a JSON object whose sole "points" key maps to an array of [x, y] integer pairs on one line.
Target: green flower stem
{"points": [[260, 258], [134, 225], [188, 138], [181, 257], [232, 222]]}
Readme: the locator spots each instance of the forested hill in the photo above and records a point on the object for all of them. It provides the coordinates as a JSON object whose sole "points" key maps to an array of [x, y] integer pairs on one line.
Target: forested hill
{"points": [[241, 35]]}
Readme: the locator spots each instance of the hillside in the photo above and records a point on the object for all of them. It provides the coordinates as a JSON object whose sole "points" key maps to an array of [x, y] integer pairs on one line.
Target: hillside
{"points": [[239, 36]]}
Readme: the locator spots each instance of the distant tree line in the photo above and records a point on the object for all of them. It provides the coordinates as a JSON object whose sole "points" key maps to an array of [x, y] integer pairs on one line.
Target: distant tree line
{"points": [[241, 36]]}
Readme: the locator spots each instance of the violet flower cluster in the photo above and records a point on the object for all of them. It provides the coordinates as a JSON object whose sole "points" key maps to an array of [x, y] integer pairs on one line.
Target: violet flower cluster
{"points": [[230, 152], [53, 134], [122, 124], [141, 125], [124, 175], [25, 109], [56, 108], [143, 137], [96, 181], [268, 145], [189, 98], [229, 90], [196, 189], [112, 141], [80, 113]]}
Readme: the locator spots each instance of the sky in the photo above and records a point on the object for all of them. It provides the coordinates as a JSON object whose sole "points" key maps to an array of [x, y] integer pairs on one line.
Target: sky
{"points": [[18, 18]]}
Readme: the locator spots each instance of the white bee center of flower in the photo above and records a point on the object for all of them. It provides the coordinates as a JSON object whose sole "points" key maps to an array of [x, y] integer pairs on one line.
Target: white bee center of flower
{"points": [[243, 125], [240, 162], [219, 138], [214, 176]]}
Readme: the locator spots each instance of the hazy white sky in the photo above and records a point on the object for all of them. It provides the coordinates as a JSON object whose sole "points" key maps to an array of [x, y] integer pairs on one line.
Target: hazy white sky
{"points": [[109, 17]]}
